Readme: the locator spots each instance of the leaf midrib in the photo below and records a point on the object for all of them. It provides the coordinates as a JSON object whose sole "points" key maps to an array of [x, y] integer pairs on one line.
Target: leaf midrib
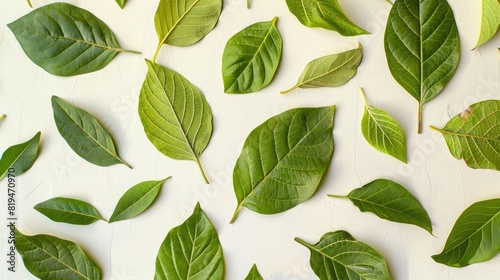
{"points": [[71, 212], [18, 156], [139, 200], [368, 108], [382, 206], [327, 72], [181, 17], [465, 135]]}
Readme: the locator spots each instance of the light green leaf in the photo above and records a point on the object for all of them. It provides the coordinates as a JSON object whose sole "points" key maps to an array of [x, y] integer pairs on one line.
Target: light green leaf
{"points": [[338, 256], [383, 132], [49, 257], [84, 134], [331, 70], [191, 251], [65, 40], [136, 200], [121, 3], [283, 160], [474, 135], [390, 201], [422, 47], [475, 237], [20, 158], [176, 116], [326, 14], [251, 57], [490, 20], [254, 274], [68, 210]]}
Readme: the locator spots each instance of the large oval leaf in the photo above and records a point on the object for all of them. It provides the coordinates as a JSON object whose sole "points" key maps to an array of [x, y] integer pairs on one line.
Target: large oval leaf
{"points": [[474, 135], [475, 237], [254, 274], [68, 210], [251, 57], [283, 160], [176, 116], [422, 47], [391, 201], [338, 256], [136, 200], [19, 158], [84, 134], [191, 251], [326, 14], [65, 40], [490, 20], [49, 257]]}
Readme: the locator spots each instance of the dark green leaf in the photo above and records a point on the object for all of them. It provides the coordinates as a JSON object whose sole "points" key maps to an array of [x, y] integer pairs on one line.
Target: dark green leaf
{"points": [[490, 20], [49, 257], [191, 251], [283, 160], [338, 256], [19, 158], [475, 237], [68, 210], [65, 40], [254, 274], [251, 57]]}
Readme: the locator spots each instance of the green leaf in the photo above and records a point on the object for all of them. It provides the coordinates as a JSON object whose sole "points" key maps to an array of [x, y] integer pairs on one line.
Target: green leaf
{"points": [[19, 158], [326, 14], [49, 257], [176, 116], [136, 200], [2, 117], [65, 40], [254, 274], [422, 47], [383, 132], [184, 22], [121, 3], [490, 20], [283, 160], [474, 135], [191, 251], [68, 210], [390, 201], [251, 57], [84, 134], [331, 70], [475, 237], [338, 256]]}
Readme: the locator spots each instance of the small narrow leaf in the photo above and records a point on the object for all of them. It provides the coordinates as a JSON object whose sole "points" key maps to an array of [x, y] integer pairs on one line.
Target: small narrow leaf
{"points": [[254, 274], [338, 256], [326, 14], [19, 158], [475, 237], [66, 40], [136, 200], [490, 20], [121, 3], [390, 201], [251, 57], [383, 132], [474, 135], [330, 71], [191, 251], [283, 160], [49, 257], [68, 210]]}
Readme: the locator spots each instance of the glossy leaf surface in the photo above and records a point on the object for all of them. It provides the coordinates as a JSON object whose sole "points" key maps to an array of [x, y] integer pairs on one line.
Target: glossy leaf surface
{"points": [[20, 158], [68, 210]]}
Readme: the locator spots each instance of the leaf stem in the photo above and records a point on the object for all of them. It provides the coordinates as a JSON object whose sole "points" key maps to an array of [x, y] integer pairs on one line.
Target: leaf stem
{"points": [[29, 3], [2, 117], [202, 171], [288, 90], [337, 196], [125, 163], [157, 51], [364, 96], [236, 213], [129, 51], [248, 4], [389, 1], [300, 241], [419, 118]]}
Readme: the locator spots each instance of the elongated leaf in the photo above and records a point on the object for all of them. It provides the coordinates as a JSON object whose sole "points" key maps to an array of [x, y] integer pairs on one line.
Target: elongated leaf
{"points": [[338, 256], [475, 237], [68, 210], [474, 135], [136, 200], [283, 160], [49, 257], [176, 116], [191, 251], [254, 274], [326, 14], [19, 158], [390, 201], [65, 40], [121, 3], [330, 71], [84, 134], [422, 47], [251, 57], [383, 132], [490, 20]]}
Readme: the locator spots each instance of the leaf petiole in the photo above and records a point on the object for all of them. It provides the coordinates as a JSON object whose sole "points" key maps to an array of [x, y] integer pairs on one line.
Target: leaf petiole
{"points": [[364, 96], [2, 117], [248, 4], [337, 196], [236, 213], [419, 118], [202, 171], [29, 3]]}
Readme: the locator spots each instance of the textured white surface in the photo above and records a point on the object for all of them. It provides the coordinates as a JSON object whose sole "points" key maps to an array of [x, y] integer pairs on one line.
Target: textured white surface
{"points": [[127, 250]]}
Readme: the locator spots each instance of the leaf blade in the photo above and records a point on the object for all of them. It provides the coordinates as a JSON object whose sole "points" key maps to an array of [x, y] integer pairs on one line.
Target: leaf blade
{"points": [[21, 157], [490, 21], [254, 274], [121, 3], [68, 210]]}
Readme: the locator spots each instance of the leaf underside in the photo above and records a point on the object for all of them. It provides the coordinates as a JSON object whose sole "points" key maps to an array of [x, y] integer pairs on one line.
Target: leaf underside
{"points": [[20, 157], [68, 210], [490, 21]]}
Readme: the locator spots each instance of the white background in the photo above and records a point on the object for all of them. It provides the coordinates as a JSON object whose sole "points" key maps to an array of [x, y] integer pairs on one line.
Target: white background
{"points": [[127, 250]]}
